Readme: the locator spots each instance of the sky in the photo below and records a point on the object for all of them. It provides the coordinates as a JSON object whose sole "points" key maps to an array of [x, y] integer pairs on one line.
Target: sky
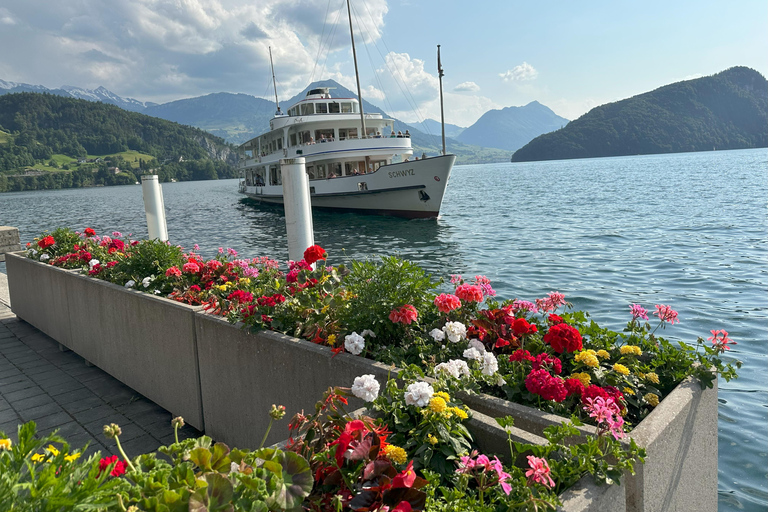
{"points": [[569, 56]]}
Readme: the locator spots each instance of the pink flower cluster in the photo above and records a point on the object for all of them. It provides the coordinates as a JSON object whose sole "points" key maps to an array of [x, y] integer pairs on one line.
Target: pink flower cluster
{"points": [[404, 314], [482, 464], [607, 414], [550, 303], [469, 293], [447, 302], [638, 311], [524, 305], [539, 471], [666, 313], [485, 284], [720, 340]]}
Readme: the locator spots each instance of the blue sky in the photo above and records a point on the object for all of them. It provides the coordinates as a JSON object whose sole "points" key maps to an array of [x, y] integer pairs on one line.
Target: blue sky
{"points": [[569, 56]]}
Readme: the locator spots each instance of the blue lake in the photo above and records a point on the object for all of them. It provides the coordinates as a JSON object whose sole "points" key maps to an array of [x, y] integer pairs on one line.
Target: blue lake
{"points": [[688, 230]]}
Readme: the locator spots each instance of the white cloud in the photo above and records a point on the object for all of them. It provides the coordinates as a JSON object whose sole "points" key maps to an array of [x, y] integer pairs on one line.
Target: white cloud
{"points": [[519, 73], [6, 17], [467, 87]]}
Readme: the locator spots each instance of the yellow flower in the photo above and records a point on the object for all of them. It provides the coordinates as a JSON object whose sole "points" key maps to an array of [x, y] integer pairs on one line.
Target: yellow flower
{"points": [[652, 377], [244, 280], [631, 349], [652, 399], [460, 413], [432, 439], [588, 358], [437, 404], [445, 396], [323, 279], [332, 339], [603, 354], [72, 457], [222, 287], [395, 454], [628, 391], [325, 308], [52, 449], [38, 457], [620, 368], [5, 444], [583, 377]]}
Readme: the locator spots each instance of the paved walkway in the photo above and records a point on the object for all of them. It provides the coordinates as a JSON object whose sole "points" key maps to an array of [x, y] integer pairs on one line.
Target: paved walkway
{"points": [[59, 391]]}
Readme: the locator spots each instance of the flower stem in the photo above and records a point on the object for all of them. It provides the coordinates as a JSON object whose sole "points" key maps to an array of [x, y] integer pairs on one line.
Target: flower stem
{"points": [[176, 433], [264, 439], [122, 452]]}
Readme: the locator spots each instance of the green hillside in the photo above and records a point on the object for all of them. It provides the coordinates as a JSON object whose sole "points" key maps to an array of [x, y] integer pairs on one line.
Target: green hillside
{"points": [[49, 141], [728, 110]]}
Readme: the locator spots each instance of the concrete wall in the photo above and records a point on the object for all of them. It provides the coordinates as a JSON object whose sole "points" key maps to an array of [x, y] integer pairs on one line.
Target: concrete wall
{"points": [[243, 374], [9, 241], [680, 436], [38, 294], [144, 341]]}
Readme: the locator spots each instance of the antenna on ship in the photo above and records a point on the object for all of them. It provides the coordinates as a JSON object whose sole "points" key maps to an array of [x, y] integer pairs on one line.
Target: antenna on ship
{"points": [[440, 76], [357, 75], [274, 83]]}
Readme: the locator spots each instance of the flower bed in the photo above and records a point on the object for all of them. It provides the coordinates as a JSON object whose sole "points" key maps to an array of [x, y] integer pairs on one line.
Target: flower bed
{"points": [[535, 359]]}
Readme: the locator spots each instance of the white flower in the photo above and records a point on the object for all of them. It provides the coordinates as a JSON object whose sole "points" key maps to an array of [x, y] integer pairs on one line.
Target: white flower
{"points": [[130, 284], [234, 467], [354, 343], [473, 354], [145, 282], [437, 334], [455, 331], [157, 292], [366, 387], [477, 344], [93, 263], [490, 364], [456, 368], [33, 252], [44, 257], [368, 332], [419, 393]]}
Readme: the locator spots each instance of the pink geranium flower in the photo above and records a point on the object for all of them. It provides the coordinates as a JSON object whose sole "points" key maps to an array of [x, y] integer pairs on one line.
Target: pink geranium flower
{"points": [[447, 302], [638, 311], [539, 472], [666, 314], [720, 340], [404, 314]]}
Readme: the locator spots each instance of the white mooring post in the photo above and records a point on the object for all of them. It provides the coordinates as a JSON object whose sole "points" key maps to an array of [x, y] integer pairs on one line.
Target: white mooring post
{"points": [[298, 207], [154, 207]]}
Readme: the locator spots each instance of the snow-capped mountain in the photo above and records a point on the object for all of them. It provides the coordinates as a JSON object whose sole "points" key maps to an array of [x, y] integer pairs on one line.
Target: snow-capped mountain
{"points": [[101, 94]]}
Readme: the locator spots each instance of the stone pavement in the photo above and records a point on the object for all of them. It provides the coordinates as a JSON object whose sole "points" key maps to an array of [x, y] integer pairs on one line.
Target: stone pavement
{"points": [[59, 391]]}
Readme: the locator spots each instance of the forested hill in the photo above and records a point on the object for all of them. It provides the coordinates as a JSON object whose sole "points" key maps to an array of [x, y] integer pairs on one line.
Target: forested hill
{"points": [[39, 130], [728, 110]]}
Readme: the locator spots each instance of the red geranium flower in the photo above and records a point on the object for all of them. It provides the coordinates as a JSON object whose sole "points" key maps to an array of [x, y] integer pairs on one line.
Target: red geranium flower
{"points": [[521, 355], [106, 462], [173, 272], [446, 302], [563, 338], [540, 382], [46, 242], [404, 314], [90, 232], [520, 327], [314, 253], [469, 293], [555, 319], [191, 267]]}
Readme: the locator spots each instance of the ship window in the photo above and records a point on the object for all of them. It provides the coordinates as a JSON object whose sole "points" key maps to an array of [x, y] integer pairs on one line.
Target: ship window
{"points": [[274, 175], [333, 108], [279, 143], [362, 186], [293, 139], [320, 171], [321, 108], [335, 169], [307, 109], [311, 171], [351, 133], [346, 108], [355, 108], [311, 190]]}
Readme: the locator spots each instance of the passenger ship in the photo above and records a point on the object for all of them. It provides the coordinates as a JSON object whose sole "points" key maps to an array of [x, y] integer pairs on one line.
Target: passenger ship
{"points": [[349, 170]]}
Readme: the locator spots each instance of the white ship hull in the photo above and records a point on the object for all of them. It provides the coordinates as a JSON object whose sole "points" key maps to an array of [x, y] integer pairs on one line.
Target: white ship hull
{"points": [[411, 189]]}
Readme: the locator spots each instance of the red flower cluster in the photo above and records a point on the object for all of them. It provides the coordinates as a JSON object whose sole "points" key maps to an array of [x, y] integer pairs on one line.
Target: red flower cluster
{"points": [[469, 293], [521, 355], [563, 338], [272, 301], [46, 242], [549, 387], [547, 362], [115, 245], [191, 267], [574, 387], [314, 253], [106, 462], [555, 319], [446, 302], [173, 272], [520, 326], [404, 314], [241, 296], [90, 232]]}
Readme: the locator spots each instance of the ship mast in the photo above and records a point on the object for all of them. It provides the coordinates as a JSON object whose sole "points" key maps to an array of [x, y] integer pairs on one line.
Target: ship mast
{"points": [[274, 82], [440, 76], [357, 75]]}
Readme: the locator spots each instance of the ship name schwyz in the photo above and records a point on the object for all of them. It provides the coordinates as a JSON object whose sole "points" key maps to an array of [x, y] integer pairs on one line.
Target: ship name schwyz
{"points": [[401, 174]]}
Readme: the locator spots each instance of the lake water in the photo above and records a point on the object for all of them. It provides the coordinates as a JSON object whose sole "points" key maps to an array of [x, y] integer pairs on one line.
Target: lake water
{"points": [[687, 230]]}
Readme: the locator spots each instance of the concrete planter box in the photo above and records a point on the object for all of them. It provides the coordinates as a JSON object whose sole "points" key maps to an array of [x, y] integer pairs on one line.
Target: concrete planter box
{"points": [[38, 294], [243, 374], [680, 437], [146, 342]]}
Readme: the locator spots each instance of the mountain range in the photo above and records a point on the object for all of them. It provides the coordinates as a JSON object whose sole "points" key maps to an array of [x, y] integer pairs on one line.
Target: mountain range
{"points": [[240, 117], [728, 110]]}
